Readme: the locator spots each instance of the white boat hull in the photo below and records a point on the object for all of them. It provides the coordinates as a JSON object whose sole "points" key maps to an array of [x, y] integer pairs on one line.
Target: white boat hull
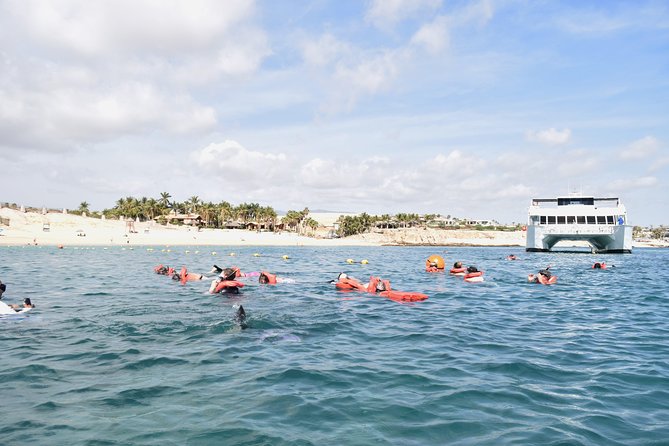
{"points": [[602, 238]]}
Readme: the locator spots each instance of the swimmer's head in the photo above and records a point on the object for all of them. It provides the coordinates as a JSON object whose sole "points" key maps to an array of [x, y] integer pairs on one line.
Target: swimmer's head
{"points": [[228, 274]]}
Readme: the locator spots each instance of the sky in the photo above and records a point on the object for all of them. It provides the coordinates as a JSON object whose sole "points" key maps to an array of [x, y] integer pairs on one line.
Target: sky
{"points": [[461, 108]]}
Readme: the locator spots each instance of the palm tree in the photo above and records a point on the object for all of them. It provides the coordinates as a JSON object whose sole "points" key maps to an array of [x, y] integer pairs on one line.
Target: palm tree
{"points": [[193, 203], [226, 212], [83, 207], [164, 199], [151, 208]]}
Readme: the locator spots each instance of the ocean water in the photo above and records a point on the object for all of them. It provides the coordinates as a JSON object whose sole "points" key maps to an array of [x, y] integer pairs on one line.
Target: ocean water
{"points": [[117, 355]]}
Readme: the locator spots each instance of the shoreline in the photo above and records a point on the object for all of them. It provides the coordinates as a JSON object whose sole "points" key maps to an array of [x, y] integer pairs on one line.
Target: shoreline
{"points": [[27, 228]]}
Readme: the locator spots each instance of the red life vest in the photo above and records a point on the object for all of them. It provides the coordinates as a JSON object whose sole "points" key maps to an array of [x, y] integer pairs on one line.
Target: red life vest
{"points": [[474, 277], [271, 278], [403, 296], [222, 285], [350, 284]]}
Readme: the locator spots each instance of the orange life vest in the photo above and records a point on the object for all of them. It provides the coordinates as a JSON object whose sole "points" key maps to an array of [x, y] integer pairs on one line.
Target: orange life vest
{"points": [[474, 277], [350, 284], [270, 277], [459, 271], [374, 281], [222, 285]]}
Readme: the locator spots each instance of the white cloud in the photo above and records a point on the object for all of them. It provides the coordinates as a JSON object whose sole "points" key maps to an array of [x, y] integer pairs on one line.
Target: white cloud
{"points": [[575, 162], [386, 13], [323, 51], [480, 12], [640, 149], [68, 116], [372, 74], [455, 165], [550, 136], [658, 164], [96, 28], [433, 36], [634, 183], [239, 168]]}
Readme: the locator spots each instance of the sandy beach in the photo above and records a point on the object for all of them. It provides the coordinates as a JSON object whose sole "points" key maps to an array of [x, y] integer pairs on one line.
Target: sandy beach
{"points": [[28, 228], [64, 229]]}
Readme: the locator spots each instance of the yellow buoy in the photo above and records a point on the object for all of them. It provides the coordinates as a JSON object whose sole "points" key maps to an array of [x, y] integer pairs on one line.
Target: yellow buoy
{"points": [[232, 254], [285, 257], [213, 253], [349, 260], [256, 255], [435, 261], [187, 251], [197, 252], [364, 261]]}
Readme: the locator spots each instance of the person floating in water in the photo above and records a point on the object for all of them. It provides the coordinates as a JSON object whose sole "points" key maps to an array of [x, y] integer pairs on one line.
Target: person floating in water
{"points": [[378, 286], [13, 308], [544, 277], [226, 282], [434, 264], [511, 257], [3, 288], [272, 279], [458, 269], [473, 274], [599, 265]]}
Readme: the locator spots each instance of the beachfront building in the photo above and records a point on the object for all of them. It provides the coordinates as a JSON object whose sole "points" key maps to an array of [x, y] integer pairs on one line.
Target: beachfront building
{"points": [[190, 219]]}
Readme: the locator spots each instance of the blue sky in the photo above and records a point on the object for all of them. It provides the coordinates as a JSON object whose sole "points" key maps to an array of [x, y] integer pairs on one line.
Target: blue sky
{"points": [[452, 107]]}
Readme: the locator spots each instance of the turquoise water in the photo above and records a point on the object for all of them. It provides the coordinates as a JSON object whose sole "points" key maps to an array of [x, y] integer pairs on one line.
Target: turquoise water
{"points": [[115, 354]]}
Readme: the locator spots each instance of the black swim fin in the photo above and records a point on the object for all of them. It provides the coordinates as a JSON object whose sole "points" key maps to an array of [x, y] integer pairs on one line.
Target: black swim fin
{"points": [[240, 317]]}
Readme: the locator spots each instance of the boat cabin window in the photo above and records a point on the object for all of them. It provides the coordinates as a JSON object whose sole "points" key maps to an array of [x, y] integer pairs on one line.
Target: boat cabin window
{"points": [[543, 219], [551, 220], [591, 220], [610, 220], [601, 219], [589, 201], [580, 219], [571, 219], [560, 219]]}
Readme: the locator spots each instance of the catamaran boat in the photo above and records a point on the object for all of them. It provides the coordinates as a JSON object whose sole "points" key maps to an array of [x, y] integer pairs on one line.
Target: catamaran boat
{"points": [[601, 222]]}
